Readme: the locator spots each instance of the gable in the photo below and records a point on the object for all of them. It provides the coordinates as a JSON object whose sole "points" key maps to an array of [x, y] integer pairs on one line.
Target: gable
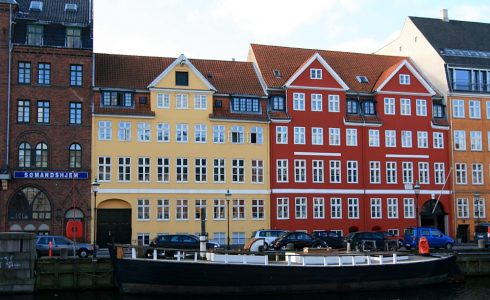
{"points": [[390, 80]]}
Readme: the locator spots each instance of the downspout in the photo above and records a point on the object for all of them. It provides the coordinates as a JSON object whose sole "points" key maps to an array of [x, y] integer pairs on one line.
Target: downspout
{"points": [[9, 88]]}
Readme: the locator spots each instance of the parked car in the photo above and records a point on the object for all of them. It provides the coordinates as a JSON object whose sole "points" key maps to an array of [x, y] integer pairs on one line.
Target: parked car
{"points": [[332, 238], [174, 242], [61, 244], [434, 236], [482, 232], [365, 240], [298, 239], [390, 236], [268, 235]]}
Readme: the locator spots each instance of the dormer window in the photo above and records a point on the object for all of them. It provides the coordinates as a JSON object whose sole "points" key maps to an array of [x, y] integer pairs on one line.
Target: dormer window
{"points": [[36, 6], [368, 107], [71, 7], [352, 106], [438, 111], [246, 105], [117, 99], [362, 79], [404, 79], [277, 103], [181, 78], [73, 37], [35, 35], [316, 73], [277, 73]]}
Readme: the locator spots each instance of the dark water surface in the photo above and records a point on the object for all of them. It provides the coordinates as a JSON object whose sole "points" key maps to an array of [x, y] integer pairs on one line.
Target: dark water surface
{"points": [[472, 289]]}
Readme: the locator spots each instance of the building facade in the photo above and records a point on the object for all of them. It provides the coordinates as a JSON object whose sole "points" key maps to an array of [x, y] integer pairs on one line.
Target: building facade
{"points": [[460, 69], [350, 136], [47, 106]]}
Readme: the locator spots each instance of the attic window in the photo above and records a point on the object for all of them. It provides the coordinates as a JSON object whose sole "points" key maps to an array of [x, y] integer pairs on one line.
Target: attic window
{"points": [[277, 73], [71, 7], [36, 6], [362, 79], [210, 75]]}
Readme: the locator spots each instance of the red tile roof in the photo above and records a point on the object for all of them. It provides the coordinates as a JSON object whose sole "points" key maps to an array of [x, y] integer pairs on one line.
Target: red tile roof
{"points": [[347, 65], [137, 72]]}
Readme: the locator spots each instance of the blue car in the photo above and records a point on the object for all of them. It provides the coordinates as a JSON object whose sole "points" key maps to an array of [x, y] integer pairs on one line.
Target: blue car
{"points": [[434, 236]]}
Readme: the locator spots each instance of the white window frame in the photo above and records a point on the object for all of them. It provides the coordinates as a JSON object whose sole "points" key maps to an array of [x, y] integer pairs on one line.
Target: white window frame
{"points": [[300, 208], [317, 136], [458, 108], [318, 174], [404, 79], [373, 138], [163, 100], [334, 136], [353, 208], [351, 136], [352, 171], [333, 103], [299, 136], [474, 109], [316, 102], [124, 132], [282, 208], [439, 173], [409, 208], [182, 101], [422, 139], [299, 101], [406, 137], [421, 107], [219, 132], [163, 132], [459, 140], [335, 171], [281, 135], [389, 106], [315, 73], [318, 208], [376, 208], [438, 140], [299, 170], [282, 170], [405, 107], [390, 138], [392, 208], [200, 102], [336, 208]]}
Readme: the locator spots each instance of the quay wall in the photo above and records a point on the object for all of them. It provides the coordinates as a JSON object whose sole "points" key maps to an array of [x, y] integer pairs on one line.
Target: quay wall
{"points": [[474, 263]]}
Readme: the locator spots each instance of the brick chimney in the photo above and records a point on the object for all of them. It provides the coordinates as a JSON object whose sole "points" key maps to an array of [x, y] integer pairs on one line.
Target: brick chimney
{"points": [[444, 15]]}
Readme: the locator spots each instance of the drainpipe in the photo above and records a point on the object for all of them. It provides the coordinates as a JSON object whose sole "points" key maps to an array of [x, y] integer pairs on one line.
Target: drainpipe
{"points": [[9, 87]]}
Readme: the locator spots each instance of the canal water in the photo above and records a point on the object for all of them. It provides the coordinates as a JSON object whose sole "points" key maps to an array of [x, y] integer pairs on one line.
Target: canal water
{"points": [[472, 289]]}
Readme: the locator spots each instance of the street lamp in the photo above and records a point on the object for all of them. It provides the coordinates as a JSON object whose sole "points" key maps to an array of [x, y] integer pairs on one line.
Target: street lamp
{"points": [[416, 191], [477, 206], [228, 195], [95, 189]]}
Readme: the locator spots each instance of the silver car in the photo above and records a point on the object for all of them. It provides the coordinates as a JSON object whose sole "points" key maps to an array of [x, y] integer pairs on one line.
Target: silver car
{"points": [[61, 244]]}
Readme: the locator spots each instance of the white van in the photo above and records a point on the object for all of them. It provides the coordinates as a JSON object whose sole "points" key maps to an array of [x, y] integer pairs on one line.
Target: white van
{"points": [[268, 235]]}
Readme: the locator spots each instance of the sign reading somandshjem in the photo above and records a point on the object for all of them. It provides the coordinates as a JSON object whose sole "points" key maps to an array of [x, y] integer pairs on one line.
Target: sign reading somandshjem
{"points": [[50, 175]]}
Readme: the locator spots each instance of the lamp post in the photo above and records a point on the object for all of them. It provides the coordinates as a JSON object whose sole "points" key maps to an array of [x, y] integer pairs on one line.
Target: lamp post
{"points": [[228, 195], [416, 191], [477, 207], [95, 189]]}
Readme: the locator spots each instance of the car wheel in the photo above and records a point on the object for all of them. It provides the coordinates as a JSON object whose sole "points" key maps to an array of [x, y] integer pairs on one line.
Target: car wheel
{"points": [[408, 247], [266, 246], [284, 247], [83, 253], [318, 246], [449, 246]]}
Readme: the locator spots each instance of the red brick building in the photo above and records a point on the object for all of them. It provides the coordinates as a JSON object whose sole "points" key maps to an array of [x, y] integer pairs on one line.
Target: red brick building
{"points": [[351, 134], [48, 126]]}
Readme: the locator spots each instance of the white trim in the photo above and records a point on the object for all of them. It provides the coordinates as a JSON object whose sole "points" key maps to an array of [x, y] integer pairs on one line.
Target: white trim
{"points": [[261, 80], [317, 154], [315, 88], [154, 89], [359, 192], [474, 96], [414, 72], [122, 115], [405, 156], [404, 93], [181, 59], [329, 69], [439, 126], [363, 124], [182, 191], [235, 120], [280, 121]]}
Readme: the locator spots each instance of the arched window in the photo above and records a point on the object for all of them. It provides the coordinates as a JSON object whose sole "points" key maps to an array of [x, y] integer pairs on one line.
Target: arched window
{"points": [[24, 155], [75, 156], [29, 203], [41, 155]]}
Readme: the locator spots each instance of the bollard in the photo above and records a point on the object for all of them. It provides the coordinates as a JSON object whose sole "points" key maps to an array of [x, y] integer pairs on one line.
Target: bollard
{"points": [[50, 251], [423, 246], [481, 244]]}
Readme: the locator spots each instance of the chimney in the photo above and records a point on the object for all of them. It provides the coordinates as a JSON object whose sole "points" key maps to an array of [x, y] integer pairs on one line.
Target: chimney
{"points": [[444, 15]]}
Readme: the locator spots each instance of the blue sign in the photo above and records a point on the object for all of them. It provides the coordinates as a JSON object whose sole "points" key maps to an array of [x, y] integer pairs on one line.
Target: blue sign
{"points": [[50, 175]]}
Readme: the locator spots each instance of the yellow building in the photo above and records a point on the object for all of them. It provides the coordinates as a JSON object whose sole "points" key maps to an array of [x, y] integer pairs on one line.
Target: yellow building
{"points": [[173, 135]]}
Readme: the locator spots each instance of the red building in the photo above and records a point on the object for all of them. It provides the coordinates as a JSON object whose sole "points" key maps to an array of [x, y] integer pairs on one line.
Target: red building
{"points": [[351, 135]]}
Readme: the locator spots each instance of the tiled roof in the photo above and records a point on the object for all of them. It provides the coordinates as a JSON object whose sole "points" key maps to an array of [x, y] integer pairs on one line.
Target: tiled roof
{"points": [[279, 115], [440, 122], [347, 65], [363, 119], [137, 72], [54, 11]]}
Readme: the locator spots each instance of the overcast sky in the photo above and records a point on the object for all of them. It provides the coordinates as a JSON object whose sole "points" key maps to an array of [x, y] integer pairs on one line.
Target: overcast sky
{"points": [[224, 29]]}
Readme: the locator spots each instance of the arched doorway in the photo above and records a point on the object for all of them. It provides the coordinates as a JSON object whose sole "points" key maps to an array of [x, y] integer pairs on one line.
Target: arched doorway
{"points": [[433, 215], [27, 207], [74, 224], [113, 222]]}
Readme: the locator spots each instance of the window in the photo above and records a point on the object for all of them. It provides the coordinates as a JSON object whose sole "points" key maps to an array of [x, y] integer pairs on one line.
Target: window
{"points": [[390, 138], [391, 176], [124, 132], [373, 138], [23, 111], [298, 101], [75, 156], [199, 203], [281, 134], [181, 78], [143, 209], [44, 73], [219, 209], [219, 237], [458, 108], [463, 208], [421, 107], [282, 170], [476, 141], [238, 209], [35, 35], [300, 170], [352, 173], [334, 136], [238, 238], [438, 111], [477, 174], [353, 208], [439, 173], [219, 170], [376, 208], [41, 155], [392, 208], [422, 139], [282, 208], [163, 169], [182, 170], [316, 102], [333, 103], [24, 72], [475, 111], [438, 140], [200, 133], [389, 106], [238, 170], [24, 155], [407, 171], [76, 72], [317, 166], [479, 208], [404, 79], [246, 105], [408, 208], [257, 171], [144, 132], [104, 168], [335, 208], [315, 73], [335, 171], [405, 109], [258, 209], [300, 208], [144, 169], [43, 112], [277, 103], [201, 169], [200, 102], [163, 100], [181, 101], [406, 139], [75, 113], [181, 133], [352, 106], [317, 136], [256, 135], [237, 135], [368, 108], [299, 135], [218, 134], [163, 209], [117, 99], [73, 37], [124, 169], [318, 208], [163, 132], [182, 209], [461, 173], [143, 238], [375, 171], [488, 109], [351, 136], [459, 140]]}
